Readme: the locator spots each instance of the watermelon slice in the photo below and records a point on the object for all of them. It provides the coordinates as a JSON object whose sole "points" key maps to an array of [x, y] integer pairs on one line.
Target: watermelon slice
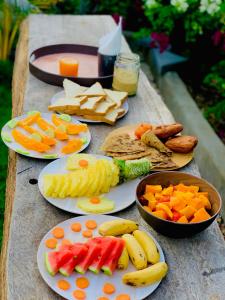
{"points": [[94, 251], [111, 262], [55, 259], [79, 250], [106, 245]]}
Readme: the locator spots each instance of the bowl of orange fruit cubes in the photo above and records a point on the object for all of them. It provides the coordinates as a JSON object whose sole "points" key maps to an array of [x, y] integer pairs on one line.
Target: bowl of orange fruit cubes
{"points": [[177, 204]]}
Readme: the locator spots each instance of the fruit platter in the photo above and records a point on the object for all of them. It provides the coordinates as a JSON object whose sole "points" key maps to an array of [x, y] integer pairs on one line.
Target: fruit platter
{"points": [[91, 184], [116, 255], [45, 135]]}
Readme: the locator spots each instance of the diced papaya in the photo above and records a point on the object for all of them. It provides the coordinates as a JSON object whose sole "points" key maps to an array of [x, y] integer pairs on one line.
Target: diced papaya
{"points": [[152, 204], [167, 191], [206, 201], [167, 204], [165, 208], [164, 199], [200, 215], [197, 203], [182, 219], [188, 211], [153, 188], [147, 208], [149, 196], [177, 203], [193, 188], [180, 187], [204, 194], [160, 214]]}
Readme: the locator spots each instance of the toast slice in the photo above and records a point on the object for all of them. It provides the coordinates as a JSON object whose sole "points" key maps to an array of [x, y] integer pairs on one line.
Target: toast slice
{"points": [[103, 107], [93, 91], [72, 89], [109, 118], [67, 105], [116, 96], [91, 104]]}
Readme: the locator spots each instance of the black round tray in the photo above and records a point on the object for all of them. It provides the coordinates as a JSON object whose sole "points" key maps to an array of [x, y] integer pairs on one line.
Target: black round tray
{"points": [[56, 79]]}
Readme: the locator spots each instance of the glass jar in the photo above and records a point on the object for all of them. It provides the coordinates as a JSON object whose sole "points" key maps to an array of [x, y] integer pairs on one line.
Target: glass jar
{"points": [[126, 73]]}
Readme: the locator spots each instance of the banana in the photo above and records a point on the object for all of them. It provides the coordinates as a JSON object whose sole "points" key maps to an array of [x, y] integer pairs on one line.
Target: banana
{"points": [[147, 276], [148, 246], [135, 252], [117, 227], [123, 260]]}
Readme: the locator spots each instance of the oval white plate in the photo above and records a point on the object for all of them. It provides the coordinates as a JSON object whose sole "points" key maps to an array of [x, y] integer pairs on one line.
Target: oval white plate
{"points": [[96, 281], [123, 195], [61, 94], [54, 150]]}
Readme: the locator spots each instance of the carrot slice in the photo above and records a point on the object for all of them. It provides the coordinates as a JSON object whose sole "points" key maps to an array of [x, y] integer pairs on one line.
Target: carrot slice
{"points": [[91, 224], [58, 232], [63, 285], [108, 288], [79, 294], [76, 227], [28, 142], [66, 242], [72, 146], [103, 298], [123, 297], [51, 243], [95, 200], [87, 233], [83, 163], [82, 282]]}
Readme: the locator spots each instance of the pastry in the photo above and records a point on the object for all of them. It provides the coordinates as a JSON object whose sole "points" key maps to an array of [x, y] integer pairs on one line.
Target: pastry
{"points": [[182, 144], [166, 131]]}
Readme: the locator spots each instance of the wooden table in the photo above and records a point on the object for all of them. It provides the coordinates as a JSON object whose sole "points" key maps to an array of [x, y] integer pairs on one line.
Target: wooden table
{"points": [[197, 265]]}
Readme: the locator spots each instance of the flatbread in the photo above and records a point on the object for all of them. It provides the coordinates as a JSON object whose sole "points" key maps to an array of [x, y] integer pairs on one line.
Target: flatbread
{"points": [[122, 143]]}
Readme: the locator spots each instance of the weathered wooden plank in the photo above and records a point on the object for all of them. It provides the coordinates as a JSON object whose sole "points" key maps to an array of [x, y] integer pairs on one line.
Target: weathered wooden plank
{"points": [[197, 268]]}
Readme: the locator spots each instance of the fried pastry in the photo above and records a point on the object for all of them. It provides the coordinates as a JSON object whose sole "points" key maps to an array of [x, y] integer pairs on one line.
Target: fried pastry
{"points": [[182, 144], [150, 139], [166, 131]]}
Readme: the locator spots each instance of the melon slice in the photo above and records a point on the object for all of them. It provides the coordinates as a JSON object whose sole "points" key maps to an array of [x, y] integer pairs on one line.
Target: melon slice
{"points": [[55, 259]]}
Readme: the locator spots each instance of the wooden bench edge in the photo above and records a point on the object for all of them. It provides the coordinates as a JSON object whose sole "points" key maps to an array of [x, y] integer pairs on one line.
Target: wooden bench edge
{"points": [[20, 72]]}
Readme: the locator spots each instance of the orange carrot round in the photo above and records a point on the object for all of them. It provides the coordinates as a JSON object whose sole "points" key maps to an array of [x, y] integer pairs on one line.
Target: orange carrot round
{"points": [[95, 200], [123, 297], [66, 242], [87, 233], [51, 243], [103, 298], [91, 224], [58, 232], [79, 294], [82, 282], [108, 288], [83, 163], [76, 227], [63, 285]]}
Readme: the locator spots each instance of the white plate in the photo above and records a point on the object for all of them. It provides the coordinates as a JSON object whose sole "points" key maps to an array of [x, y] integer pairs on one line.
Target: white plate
{"points": [[54, 150], [123, 195], [61, 94], [96, 281]]}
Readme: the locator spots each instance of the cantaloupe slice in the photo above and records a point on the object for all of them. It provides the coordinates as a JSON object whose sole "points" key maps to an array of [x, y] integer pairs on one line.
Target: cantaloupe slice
{"points": [[45, 139], [72, 146], [28, 142], [31, 119], [70, 128]]}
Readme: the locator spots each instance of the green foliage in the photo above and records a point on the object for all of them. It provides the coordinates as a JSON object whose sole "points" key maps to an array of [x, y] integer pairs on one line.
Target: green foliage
{"points": [[216, 112], [113, 6], [192, 19], [5, 113], [216, 79]]}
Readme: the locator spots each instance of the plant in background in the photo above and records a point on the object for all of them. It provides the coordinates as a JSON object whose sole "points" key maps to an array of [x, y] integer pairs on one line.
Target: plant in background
{"points": [[11, 17]]}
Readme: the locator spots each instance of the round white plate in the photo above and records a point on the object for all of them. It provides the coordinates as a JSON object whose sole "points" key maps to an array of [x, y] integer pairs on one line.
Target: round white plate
{"points": [[96, 281], [54, 150], [123, 195], [61, 94]]}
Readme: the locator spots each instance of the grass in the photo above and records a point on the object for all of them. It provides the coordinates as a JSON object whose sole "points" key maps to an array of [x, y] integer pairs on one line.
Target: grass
{"points": [[5, 115]]}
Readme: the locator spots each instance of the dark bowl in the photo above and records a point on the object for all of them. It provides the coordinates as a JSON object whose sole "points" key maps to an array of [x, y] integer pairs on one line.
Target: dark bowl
{"points": [[173, 229]]}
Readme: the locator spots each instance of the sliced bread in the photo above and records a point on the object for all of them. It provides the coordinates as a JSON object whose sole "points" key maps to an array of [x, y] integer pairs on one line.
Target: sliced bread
{"points": [[93, 91], [67, 104], [72, 89], [116, 96]]}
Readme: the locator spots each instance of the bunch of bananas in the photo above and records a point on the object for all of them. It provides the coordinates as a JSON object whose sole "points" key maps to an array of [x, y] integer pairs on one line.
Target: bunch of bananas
{"points": [[140, 249]]}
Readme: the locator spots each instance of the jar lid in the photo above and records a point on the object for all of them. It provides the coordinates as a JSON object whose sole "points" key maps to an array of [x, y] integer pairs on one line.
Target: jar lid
{"points": [[127, 58]]}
